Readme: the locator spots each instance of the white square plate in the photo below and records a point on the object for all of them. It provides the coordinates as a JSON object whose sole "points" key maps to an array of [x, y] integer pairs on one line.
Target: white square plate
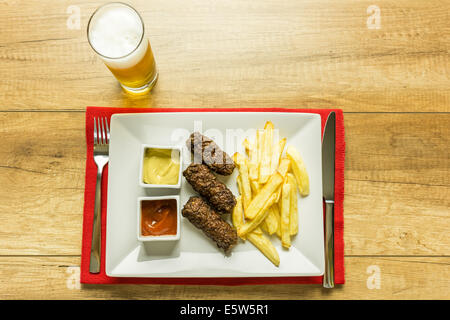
{"points": [[194, 255]]}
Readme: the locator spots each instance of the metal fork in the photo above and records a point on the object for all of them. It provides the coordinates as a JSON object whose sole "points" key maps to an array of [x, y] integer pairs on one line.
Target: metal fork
{"points": [[101, 157]]}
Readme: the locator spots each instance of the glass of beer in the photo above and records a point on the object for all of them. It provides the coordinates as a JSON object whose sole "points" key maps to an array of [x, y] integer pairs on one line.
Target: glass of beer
{"points": [[116, 33]]}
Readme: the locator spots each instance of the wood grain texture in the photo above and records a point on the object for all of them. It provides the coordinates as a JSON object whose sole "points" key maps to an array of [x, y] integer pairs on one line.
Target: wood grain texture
{"points": [[397, 186], [400, 278], [237, 53]]}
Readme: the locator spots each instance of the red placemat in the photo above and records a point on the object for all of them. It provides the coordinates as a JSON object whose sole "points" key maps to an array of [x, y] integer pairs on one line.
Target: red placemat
{"points": [[89, 195]]}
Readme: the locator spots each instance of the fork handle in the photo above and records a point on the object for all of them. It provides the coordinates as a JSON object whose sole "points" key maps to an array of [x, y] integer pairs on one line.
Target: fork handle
{"points": [[94, 265], [328, 277]]}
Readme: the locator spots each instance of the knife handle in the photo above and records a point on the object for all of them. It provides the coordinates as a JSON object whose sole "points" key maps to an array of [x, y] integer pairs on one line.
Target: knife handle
{"points": [[328, 277]]}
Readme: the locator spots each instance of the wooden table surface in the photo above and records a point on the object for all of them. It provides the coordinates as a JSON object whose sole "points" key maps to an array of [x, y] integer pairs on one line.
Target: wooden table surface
{"points": [[392, 83]]}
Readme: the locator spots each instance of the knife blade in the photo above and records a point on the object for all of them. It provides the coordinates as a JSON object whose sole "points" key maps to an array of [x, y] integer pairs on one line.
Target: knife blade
{"points": [[328, 159]]}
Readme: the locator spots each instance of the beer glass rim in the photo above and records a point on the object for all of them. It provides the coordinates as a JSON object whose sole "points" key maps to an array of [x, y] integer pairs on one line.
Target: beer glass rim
{"points": [[115, 3]]}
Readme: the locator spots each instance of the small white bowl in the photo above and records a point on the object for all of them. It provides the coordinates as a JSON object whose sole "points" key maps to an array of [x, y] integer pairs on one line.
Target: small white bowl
{"points": [[157, 238], [159, 186]]}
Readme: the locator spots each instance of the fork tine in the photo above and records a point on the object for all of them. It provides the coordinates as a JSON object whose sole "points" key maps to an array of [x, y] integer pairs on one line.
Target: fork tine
{"points": [[102, 131], [107, 129], [105, 138], [99, 134], [95, 132]]}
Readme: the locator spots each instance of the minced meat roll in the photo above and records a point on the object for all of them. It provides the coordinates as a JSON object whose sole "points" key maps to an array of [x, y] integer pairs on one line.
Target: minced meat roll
{"points": [[207, 185], [205, 218], [211, 154]]}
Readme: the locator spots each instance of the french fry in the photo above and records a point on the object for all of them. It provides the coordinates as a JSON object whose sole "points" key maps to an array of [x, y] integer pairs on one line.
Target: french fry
{"points": [[261, 215], [265, 246], [268, 191], [246, 145], [284, 219], [274, 160], [285, 165], [257, 231], [259, 147], [266, 153], [237, 216], [276, 210], [254, 185], [276, 155], [293, 209], [239, 184], [261, 198], [242, 165], [253, 165], [299, 170], [271, 221], [269, 124], [264, 226]]}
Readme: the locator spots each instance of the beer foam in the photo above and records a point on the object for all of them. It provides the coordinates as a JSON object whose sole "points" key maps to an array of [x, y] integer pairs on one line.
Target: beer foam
{"points": [[114, 32]]}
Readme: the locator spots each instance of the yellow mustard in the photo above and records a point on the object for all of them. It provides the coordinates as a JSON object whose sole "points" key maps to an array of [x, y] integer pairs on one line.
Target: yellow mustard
{"points": [[161, 166]]}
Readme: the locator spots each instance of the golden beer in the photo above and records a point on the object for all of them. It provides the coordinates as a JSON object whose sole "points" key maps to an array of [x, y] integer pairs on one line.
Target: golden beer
{"points": [[138, 75], [116, 32]]}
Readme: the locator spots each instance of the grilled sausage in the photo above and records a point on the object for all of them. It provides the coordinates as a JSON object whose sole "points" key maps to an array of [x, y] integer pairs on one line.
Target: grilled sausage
{"points": [[211, 154], [203, 216], [207, 185]]}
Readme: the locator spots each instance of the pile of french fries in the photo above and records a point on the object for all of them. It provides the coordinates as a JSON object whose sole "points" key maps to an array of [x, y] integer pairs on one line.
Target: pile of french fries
{"points": [[268, 184]]}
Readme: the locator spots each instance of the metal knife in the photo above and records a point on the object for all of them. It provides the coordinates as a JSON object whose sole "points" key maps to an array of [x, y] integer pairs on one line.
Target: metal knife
{"points": [[328, 151]]}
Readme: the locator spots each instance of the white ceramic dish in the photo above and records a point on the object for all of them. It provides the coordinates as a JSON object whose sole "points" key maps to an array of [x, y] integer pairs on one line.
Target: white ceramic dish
{"points": [[142, 238], [194, 255], [141, 168]]}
